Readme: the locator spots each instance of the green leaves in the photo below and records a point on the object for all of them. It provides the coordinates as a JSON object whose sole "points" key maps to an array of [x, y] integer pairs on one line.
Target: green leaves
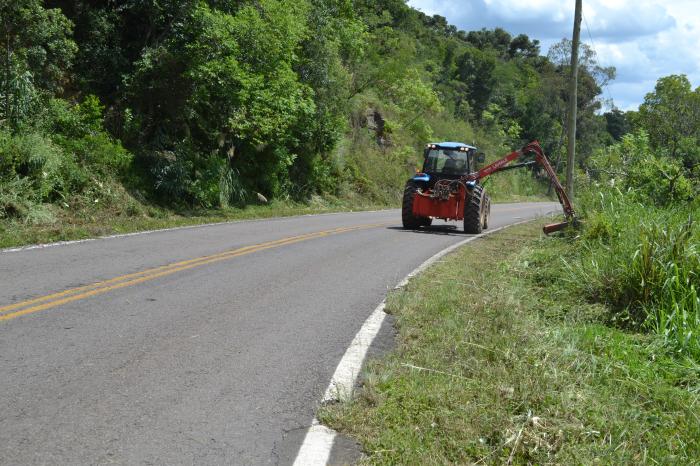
{"points": [[36, 54], [245, 92], [657, 163], [223, 86], [649, 176], [413, 100], [475, 69], [671, 116]]}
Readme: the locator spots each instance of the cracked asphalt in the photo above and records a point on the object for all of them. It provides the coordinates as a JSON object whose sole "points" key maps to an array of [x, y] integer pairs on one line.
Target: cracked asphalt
{"points": [[205, 345]]}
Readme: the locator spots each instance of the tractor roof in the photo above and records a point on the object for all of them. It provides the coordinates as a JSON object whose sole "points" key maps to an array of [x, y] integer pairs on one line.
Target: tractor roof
{"points": [[452, 145]]}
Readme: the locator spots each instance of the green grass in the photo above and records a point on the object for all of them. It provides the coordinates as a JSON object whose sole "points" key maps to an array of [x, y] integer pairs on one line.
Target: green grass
{"points": [[643, 261], [494, 364]]}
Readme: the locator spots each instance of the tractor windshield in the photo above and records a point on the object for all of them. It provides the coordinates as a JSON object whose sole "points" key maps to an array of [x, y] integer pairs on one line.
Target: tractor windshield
{"points": [[446, 162]]}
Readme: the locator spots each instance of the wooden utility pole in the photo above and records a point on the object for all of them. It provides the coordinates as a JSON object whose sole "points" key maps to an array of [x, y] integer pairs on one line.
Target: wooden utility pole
{"points": [[573, 100]]}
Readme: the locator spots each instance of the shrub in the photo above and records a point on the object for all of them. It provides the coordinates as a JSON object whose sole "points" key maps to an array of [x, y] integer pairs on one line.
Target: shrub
{"points": [[17, 196], [650, 177], [65, 153], [79, 130], [39, 161]]}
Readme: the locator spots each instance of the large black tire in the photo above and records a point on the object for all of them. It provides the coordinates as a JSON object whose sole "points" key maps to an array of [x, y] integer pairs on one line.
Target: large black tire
{"points": [[475, 210], [410, 221]]}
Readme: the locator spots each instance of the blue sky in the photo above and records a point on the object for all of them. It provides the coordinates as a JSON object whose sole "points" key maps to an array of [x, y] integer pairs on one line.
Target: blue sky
{"points": [[643, 39]]}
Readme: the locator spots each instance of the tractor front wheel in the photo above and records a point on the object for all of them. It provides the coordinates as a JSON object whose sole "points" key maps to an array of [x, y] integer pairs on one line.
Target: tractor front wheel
{"points": [[410, 221], [476, 211]]}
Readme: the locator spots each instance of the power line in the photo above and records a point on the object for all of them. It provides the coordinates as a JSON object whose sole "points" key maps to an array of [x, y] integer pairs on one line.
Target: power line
{"points": [[588, 30]]}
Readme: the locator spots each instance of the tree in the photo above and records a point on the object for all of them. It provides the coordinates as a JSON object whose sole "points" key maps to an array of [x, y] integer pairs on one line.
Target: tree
{"points": [[641, 171], [522, 46], [475, 69], [497, 39], [592, 77], [220, 93], [671, 116], [414, 99], [334, 45], [617, 123], [36, 54]]}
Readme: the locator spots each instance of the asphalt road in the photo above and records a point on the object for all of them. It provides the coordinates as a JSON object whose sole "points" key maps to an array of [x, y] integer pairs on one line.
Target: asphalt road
{"points": [[205, 345]]}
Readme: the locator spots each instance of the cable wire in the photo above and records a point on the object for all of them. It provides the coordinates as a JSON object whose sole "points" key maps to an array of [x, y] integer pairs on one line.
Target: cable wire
{"points": [[592, 44]]}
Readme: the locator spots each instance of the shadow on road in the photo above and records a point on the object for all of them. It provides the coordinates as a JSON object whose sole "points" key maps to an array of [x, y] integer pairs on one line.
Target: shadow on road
{"points": [[445, 230]]}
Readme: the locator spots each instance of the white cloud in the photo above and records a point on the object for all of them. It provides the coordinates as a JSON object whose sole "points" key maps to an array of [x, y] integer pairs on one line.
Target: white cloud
{"points": [[643, 39]]}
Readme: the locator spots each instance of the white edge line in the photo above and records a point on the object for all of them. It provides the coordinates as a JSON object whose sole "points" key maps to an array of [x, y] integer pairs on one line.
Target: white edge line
{"points": [[185, 227], [345, 375], [318, 442], [317, 446]]}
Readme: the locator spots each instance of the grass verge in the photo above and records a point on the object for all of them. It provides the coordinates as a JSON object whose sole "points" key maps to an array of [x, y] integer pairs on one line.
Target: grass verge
{"points": [[496, 365]]}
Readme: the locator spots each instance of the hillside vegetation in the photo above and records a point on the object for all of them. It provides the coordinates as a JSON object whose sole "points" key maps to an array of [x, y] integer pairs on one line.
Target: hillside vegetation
{"points": [[640, 251], [133, 110]]}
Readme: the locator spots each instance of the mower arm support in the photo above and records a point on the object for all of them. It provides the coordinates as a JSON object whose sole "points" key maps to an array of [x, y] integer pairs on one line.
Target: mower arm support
{"points": [[541, 159]]}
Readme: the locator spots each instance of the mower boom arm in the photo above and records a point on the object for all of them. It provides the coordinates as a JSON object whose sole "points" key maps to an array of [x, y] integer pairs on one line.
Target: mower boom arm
{"points": [[540, 158]]}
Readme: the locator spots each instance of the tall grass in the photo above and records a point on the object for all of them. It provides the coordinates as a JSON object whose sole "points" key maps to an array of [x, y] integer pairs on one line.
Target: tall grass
{"points": [[644, 262]]}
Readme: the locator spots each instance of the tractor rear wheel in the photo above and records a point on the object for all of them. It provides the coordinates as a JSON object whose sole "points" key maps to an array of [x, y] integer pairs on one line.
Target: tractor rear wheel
{"points": [[410, 221], [475, 211]]}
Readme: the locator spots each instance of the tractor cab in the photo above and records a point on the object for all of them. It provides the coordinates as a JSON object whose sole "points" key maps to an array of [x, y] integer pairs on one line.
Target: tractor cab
{"points": [[448, 160]]}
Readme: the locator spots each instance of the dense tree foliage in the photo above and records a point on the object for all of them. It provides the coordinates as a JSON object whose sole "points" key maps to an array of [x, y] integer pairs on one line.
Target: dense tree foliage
{"points": [[671, 116], [36, 56], [657, 160], [219, 100]]}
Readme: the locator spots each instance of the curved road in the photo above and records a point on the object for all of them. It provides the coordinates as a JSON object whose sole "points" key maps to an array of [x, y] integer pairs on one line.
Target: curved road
{"points": [[203, 345]]}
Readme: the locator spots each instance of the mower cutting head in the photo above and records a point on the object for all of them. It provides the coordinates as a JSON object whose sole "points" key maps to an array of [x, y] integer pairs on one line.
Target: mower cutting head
{"points": [[554, 227]]}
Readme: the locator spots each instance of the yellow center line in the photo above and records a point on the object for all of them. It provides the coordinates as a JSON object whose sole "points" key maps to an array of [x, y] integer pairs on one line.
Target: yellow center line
{"points": [[149, 271], [82, 292]]}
